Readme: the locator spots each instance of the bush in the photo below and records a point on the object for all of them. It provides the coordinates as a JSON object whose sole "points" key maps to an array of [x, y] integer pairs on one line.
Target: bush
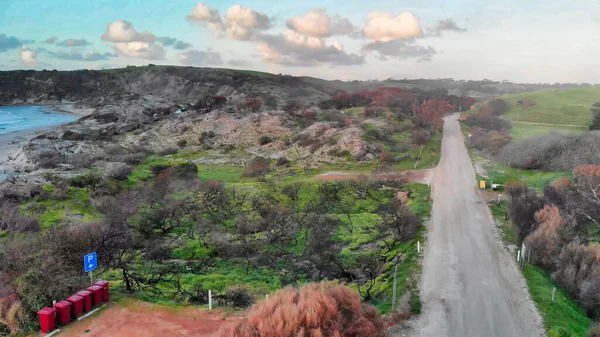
{"points": [[316, 309], [547, 240], [282, 161], [237, 297], [118, 171], [553, 152], [187, 170], [13, 221], [168, 151], [158, 169], [497, 106], [265, 140], [488, 122], [49, 159], [524, 204], [181, 143], [257, 167], [420, 137], [132, 158], [253, 104]]}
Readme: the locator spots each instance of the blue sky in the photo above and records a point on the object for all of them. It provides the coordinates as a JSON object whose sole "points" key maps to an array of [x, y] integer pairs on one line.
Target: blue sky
{"points": [[527, 41]]}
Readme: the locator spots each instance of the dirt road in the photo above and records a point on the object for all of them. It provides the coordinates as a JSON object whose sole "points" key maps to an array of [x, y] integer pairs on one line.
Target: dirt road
{"points": [[470, 285]]}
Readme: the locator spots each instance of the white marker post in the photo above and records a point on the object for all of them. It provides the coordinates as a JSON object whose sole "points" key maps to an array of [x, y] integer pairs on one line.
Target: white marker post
{"points": [[518, 255], [418, 246], [553, 293], [209, 300], [267, 299]]}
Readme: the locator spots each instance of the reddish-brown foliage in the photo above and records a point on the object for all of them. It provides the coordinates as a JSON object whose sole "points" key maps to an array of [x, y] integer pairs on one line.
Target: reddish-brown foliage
{"points": [[385, 157], [315, 310], [561, 183], [257, 167], [420, 137], [380, 96], [433, 111], [545, 241], [253, 104]]}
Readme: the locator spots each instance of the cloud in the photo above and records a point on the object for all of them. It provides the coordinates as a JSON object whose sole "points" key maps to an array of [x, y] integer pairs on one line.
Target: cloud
{"points": [[173, 42], [239, 23], [76, 55], [73, 43], [293, 49], [144, 50], [317, 23], [403, 49], [238, 63], [384, 27], [51, 40], [201, 58], [123, 31], [11, 42], [28, 57], [445, 25]]}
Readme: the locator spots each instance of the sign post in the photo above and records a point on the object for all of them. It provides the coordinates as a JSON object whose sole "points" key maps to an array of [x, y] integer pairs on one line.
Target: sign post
{"points": [[90, 263]]}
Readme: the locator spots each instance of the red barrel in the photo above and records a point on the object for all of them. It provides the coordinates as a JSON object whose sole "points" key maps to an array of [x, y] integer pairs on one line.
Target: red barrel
{"points": [[105, 292], [97, 294], [63, 312], [77, 305], [87, 299], [47, 319]]}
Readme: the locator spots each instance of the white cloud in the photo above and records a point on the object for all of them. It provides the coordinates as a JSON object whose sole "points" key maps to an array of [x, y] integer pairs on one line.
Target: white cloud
{"points": [[28, 57], [385, 27], [302, 40], [317, 23], [239, 23], [123, 31], [314, 23], [149, 51]]}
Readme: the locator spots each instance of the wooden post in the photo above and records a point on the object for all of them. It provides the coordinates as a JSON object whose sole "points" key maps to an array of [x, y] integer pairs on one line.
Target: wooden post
{"points": [[553, 293], [394, 289]]}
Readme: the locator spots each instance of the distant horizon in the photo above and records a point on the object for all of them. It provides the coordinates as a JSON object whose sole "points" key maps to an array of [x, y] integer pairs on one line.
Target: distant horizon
{"points": [[321, 78], [551, 41]]}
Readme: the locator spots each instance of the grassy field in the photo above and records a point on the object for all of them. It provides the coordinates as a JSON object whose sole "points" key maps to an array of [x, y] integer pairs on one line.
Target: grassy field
{"points": [[521, 130], [571, 106]]}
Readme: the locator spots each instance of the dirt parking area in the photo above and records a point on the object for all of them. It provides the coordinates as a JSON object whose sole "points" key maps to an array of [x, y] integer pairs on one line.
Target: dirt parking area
{"points": [[138, 319]]}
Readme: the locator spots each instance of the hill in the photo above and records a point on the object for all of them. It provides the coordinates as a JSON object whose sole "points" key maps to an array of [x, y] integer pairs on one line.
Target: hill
{"points": [[568, 107]]}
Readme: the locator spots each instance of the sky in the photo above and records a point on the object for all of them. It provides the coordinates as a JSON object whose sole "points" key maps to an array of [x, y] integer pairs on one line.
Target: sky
{"points": [[540, 41]]}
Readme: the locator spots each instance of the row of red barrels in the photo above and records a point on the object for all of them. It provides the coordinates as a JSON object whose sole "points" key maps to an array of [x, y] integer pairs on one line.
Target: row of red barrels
{"points": [[74, 306]]}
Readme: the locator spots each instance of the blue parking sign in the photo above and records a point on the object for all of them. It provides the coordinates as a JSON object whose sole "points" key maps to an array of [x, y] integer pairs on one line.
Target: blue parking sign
{"points": [[90, 262]]}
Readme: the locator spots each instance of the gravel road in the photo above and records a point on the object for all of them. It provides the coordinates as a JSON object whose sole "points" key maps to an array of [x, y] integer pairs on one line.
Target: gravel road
{"points": [[470, 285]]}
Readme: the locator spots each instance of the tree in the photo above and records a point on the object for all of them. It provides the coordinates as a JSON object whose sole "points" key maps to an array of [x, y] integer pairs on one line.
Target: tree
{"points": [[271, 102], [397, 224], [497, 106], [596, 116], [524, 203], [316, 309], [257, 167], [586, 202], [432, 112], [253, 104]]}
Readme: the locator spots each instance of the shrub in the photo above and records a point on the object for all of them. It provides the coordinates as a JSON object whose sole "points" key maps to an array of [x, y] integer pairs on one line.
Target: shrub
{"points": [[168, 151], [237, 297], [524, 203], [187, 170], [497, 106], [316, 309], [282, 161], [265, 140], [13, 221], [132, 158], [49, 159], [118, 171], [257, 167], [253, 104], [158, 169], [181, 143], [488, 122], [385, 157], [420, 137], [546, 241], [91, 179], [553, 152]]}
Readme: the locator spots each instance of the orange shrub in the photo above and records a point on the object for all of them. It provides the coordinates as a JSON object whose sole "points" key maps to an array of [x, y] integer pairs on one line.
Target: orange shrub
{"points": [[315, 310]]}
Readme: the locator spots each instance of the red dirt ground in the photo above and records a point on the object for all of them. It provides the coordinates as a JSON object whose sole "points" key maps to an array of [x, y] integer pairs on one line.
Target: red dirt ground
{"points": [[139, 319]]}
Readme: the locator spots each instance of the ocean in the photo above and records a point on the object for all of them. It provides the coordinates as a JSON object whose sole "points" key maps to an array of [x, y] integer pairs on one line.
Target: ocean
{"points": [[19, 118]]}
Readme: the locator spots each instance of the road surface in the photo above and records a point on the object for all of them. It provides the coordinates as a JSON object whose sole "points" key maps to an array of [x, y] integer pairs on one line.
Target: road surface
{"points": [[470, 285]]}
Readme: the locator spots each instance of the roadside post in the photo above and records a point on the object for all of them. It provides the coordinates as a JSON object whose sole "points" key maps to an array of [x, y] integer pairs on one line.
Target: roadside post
{"points": [[90, 263], [394, 288]]}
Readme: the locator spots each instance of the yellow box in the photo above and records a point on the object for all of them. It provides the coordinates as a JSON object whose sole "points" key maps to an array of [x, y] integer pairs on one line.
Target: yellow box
{"points": [[482, 184]]}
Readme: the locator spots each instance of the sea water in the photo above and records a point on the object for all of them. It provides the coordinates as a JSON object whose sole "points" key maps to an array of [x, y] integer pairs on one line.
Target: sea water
{"points": [[19, 118]]}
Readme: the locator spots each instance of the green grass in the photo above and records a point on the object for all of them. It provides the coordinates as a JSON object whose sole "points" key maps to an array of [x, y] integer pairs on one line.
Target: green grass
{"points": [[51, 212], [521, 131], [571, 106], [563, 312]]}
